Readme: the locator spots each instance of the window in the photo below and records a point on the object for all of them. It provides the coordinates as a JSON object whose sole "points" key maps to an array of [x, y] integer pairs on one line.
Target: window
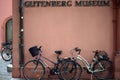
{"points": [[9, 30]]}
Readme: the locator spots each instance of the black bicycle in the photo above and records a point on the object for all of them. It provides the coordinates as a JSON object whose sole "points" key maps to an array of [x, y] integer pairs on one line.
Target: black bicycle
{"points": [[71, 70], [35, 69], [6, 52]]}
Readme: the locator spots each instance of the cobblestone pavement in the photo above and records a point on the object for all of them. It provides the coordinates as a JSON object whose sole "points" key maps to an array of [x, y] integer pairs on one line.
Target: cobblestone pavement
{"points": [[4, 75]]}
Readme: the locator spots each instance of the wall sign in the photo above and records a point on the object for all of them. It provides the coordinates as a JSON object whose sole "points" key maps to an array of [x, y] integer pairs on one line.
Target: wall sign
{"points": [[67, 3]]}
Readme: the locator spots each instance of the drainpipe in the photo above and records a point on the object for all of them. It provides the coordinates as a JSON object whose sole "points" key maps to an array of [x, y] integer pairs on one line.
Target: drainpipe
{"points": [[21, 33]]}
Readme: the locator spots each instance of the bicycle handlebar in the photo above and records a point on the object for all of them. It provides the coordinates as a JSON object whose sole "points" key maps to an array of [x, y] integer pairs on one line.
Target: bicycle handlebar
{"points": [[77, 50], [40, 48], [96, 51]]}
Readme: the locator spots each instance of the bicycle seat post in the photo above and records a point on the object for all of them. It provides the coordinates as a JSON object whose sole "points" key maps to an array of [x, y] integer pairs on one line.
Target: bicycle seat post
{"points": [[58, 52]]}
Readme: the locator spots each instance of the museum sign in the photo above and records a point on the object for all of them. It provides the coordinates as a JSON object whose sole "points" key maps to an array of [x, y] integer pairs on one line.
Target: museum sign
{"points": [[67, 3]]}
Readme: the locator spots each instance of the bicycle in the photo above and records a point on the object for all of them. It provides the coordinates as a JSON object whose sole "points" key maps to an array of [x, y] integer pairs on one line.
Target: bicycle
{"points": [[71, 70], [101, 66], [6, 52], [35, 69]]}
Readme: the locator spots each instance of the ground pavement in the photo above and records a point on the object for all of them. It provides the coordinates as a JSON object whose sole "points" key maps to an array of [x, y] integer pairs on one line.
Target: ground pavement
{"points": [[4, 74]]}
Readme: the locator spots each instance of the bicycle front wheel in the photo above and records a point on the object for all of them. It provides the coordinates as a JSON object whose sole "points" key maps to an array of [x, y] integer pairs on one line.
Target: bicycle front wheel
{"points": [[6, 54], [104, 74], [70, 70], [33, 70]]}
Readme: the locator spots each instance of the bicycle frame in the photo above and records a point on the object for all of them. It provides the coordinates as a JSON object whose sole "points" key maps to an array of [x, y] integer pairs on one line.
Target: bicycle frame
{"points": [[89, 66], [45, 63], [39, 57]]}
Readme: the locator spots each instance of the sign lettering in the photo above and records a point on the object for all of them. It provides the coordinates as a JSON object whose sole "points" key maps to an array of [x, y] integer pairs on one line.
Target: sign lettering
{"points": [[69, 3]]}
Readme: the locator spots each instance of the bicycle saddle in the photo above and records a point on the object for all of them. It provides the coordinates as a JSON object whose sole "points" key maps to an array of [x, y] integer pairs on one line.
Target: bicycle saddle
{"points": [[58, 52]]}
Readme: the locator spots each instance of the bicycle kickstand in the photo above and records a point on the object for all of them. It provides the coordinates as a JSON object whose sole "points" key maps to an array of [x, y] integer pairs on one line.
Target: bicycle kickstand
{"points": [[48, 77], [91, 77]]}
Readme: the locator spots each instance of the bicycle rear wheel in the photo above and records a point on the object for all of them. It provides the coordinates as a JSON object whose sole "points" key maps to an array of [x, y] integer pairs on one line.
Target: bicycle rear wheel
{"points": [[70, 70], [33, 70], [6, 54], [106, 73]]}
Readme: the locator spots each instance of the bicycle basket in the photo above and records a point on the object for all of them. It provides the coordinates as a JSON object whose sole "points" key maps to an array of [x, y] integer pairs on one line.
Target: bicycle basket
{"points": [[102, 55], [34, 51]]}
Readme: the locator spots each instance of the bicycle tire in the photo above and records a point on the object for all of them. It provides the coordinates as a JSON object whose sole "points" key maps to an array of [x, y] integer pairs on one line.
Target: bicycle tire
{"points": [[70, 70], [6, 54], [33, 70], [103, 75]]}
